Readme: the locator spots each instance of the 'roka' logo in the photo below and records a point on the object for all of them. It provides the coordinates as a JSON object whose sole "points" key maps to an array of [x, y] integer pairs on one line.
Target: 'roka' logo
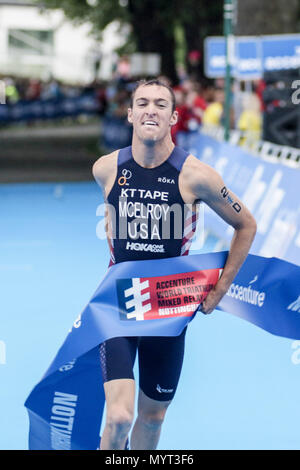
{"points": [[166, 180]]}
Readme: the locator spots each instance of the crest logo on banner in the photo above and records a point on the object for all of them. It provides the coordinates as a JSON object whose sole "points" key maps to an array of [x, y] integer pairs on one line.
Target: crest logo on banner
{"points": [[138, 294], [164, 296]]}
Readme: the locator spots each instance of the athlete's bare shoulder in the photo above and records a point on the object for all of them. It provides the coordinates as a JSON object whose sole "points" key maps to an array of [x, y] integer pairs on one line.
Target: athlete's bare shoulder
{"points": [[202, 182], [104, 165], [198, 176], [193, 164], [105, 170]]}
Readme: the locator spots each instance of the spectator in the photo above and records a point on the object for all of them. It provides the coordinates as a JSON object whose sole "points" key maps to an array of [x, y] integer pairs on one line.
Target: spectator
{"points": [[213, 114], [51, 90], [12, 94], [181, 109], [190, 106], [250, 121], [118, 103], [195, 64], [101, 98], [260, 86], [195, 101], [34, 89]]}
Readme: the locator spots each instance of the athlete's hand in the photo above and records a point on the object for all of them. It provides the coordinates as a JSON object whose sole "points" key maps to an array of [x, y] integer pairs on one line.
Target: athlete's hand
{"points": [[212, 300]]}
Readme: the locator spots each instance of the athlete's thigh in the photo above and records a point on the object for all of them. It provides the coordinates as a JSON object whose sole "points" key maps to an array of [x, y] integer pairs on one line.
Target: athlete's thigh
{"points": [[117, 356], [160, 364]]}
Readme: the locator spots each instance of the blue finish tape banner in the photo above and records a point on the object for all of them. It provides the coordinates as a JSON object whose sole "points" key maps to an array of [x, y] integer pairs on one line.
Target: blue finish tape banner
{"points": [[149, 298]]}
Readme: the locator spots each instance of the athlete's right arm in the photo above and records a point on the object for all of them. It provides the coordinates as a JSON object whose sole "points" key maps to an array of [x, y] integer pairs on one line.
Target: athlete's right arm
{"points": [[105, 171]]}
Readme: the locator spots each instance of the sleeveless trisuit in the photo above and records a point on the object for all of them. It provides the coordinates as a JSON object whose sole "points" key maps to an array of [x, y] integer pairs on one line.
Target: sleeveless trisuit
{"points": [[148, 220]]}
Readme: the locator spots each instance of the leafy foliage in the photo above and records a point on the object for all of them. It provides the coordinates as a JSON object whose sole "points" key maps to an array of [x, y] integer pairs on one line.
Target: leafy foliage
{"points": [[153, 22]]}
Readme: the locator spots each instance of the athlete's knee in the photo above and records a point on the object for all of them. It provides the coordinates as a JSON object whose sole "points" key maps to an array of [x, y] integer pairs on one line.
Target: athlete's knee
{"points": [[152, 420], [119, 419]]}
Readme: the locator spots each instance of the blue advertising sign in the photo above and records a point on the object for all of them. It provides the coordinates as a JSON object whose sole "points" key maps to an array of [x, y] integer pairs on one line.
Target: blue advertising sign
{"points": [[248, 63], [214, 57], [269, 190], [280, 52], [252, 55]]}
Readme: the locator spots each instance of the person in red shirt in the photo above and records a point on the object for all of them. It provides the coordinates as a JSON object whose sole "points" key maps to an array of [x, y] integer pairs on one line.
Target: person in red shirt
{"points": [[190, 106]]}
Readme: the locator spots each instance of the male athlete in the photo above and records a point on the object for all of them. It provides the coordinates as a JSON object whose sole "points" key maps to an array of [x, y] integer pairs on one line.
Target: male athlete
{"points": [[141, 183]]}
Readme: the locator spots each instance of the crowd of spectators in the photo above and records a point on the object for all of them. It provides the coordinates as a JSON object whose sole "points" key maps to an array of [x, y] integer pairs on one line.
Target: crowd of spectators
{"points": [[24, 91], [198, 102], [27, 89]]}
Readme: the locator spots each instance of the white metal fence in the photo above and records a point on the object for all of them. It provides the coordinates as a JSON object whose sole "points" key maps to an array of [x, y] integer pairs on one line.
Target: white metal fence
{"points": [[252, 142]]}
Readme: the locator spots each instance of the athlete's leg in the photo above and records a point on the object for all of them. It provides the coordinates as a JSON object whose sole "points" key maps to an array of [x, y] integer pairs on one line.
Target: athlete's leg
{"points": [[160, 363], [146, 431], [117, 356], [119, 395]]}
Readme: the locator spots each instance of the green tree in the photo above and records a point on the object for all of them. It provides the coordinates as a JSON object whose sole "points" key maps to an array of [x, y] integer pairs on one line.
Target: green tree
{"points": [[199, 20], [153, 22], [276, 17]]}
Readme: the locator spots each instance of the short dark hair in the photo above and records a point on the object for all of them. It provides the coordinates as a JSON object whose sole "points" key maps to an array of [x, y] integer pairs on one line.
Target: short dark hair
{"points": [[154, 81]]}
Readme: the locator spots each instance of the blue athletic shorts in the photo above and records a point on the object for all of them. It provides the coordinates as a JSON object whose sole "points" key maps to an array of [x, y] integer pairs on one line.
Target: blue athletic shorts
{"points": [[160, 362]]}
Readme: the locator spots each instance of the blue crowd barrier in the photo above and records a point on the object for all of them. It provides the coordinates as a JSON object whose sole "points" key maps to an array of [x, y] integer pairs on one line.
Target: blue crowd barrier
{"points": [[269, 190], [116, 133], [27, 110]]}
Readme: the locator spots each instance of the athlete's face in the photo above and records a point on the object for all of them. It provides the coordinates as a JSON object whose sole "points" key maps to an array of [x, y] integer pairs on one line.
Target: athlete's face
{"points": [[151, 113]]}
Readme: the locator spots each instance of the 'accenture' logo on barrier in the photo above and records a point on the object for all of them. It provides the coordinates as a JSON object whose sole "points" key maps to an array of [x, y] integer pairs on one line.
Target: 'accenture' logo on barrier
{"points": [[247, 294]]}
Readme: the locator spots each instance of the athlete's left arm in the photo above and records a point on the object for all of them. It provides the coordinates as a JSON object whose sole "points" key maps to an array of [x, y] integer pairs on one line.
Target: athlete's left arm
{"points": [[210, 188]]}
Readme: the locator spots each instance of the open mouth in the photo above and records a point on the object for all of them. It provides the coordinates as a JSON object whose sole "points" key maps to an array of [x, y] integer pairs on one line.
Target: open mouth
{"points": [[150, 123]]}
